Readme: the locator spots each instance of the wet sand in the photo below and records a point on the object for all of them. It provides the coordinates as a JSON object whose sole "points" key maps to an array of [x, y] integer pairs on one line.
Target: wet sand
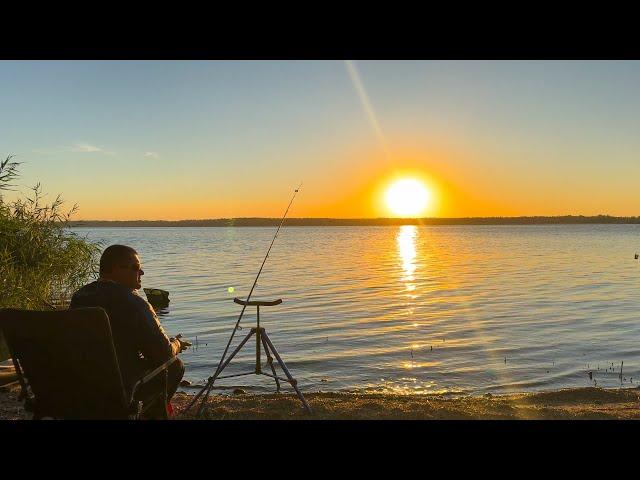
{"points": [[10, 407], [569, 404]]}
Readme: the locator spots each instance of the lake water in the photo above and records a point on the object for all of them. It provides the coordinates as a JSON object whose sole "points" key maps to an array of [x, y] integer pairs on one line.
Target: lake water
{"points": [[427, 309]]}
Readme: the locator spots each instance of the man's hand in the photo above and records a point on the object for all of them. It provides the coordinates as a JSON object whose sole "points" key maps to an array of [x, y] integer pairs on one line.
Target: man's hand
{"points": [[183, 343]]}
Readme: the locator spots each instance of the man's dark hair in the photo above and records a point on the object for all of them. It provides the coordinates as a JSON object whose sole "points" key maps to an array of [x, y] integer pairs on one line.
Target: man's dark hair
{"points": [[114, 255]]}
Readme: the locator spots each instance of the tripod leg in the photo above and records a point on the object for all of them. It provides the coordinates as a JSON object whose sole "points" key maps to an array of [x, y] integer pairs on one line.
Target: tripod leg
{"points": [[235, 352], [210, 382], [195, 399], [209, 385], [270, 361], [292, 381]]}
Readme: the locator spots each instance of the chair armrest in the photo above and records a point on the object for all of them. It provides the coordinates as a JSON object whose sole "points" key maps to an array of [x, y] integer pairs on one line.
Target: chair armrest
{"points": [[149, 376]]}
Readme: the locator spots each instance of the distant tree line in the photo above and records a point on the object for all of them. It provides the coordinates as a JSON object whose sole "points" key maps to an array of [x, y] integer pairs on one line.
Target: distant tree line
{"points": [[309, 222]]}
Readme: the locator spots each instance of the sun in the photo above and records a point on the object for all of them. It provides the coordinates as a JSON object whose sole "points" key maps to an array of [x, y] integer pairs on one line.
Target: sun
{"points": [[407, 197]]}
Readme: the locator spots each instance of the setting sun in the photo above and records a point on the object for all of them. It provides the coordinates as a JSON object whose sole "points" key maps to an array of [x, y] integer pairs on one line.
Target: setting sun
{"points": [[407, 197]]}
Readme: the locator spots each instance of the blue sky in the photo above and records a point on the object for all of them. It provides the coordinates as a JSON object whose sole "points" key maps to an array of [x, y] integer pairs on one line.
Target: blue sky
{"points": [[207, 139]]}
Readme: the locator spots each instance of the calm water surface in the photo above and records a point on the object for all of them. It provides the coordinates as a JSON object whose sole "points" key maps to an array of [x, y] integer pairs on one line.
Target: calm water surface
{"points": [[433, 309]]}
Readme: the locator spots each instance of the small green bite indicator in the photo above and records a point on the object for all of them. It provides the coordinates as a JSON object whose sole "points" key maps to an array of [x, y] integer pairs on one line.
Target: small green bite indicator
{"points": [[231, 289]]}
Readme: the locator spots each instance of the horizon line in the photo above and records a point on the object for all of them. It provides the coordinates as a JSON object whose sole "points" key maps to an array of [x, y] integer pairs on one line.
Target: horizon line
{"points": [[212, 219]]}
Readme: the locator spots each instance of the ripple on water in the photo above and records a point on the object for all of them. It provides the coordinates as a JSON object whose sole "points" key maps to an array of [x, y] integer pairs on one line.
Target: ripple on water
{"points": [[407, 309]]}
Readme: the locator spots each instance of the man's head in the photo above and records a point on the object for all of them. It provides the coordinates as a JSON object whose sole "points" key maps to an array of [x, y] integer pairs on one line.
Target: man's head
{"points": [[121, 264]]}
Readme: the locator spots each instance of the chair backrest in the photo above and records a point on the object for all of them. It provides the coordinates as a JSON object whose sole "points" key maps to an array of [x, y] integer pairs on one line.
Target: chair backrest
{"points": [[69, 360]]}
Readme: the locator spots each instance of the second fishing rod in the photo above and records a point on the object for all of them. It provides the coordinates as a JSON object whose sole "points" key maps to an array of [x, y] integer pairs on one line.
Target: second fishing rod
{"points": [[211, 380]]}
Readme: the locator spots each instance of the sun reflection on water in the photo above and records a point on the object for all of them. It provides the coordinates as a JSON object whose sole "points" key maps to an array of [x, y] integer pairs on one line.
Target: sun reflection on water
{"points": [[407, 250]]}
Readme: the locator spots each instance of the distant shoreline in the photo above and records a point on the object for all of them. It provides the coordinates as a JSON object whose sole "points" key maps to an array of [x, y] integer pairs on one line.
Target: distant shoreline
{"points": [[361, 222]]}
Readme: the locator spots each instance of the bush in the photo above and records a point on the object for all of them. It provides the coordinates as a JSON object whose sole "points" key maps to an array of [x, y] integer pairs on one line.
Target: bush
{"points": [[41, 261]]}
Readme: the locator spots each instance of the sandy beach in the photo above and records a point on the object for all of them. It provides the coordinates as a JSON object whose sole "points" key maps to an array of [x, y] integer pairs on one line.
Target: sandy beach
{"points": [[569, 404]]}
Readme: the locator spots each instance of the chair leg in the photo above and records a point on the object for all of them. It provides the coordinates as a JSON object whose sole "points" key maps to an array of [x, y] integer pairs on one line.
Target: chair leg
{"points": [[165, 399], [153, 405], [138, 411]]}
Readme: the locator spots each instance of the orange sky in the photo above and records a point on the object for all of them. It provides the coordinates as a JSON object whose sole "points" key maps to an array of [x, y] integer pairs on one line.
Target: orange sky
{"points": [[194, 140]]}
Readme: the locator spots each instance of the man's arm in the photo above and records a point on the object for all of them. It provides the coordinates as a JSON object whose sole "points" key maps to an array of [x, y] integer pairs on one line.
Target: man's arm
{"points": [[154, 343]]}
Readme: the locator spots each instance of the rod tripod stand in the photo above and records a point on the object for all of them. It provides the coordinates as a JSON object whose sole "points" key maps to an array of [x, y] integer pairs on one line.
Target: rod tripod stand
{"points": [[262, 341]]}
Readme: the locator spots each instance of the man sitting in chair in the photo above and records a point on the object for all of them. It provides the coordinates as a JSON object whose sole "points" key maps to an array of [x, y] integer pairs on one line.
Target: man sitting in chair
{"points": [[140, 341]]}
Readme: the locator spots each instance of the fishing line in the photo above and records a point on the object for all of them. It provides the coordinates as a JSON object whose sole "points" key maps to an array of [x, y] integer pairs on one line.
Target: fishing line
{"points": [[211, 379]]}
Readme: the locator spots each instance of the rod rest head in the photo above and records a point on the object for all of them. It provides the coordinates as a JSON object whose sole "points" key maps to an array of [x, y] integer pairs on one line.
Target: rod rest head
{"points": [[257, 303]]}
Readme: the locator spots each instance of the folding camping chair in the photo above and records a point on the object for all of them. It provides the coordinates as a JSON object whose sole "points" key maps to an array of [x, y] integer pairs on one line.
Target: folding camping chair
{"points": [[68, 368]]}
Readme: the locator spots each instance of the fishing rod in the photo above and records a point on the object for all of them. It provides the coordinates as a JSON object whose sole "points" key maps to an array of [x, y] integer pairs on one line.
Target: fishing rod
{"points": [[212, 379]]}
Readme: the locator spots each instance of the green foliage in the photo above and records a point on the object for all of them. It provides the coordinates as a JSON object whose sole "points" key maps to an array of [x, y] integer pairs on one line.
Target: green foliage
{"points": [[42, 262]]}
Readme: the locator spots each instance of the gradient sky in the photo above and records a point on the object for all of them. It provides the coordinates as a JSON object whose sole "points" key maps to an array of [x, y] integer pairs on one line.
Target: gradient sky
{"points": [[211, 139]]}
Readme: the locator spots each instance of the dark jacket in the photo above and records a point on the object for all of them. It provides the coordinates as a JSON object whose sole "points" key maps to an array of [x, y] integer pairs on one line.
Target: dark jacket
{"points": [[140, 341]]}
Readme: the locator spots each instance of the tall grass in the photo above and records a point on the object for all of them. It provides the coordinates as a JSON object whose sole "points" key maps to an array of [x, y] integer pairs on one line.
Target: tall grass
{"points": [[41, 261]]}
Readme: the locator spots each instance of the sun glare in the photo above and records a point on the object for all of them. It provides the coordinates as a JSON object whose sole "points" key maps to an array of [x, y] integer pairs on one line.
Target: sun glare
{"points": [[407, 197]]}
